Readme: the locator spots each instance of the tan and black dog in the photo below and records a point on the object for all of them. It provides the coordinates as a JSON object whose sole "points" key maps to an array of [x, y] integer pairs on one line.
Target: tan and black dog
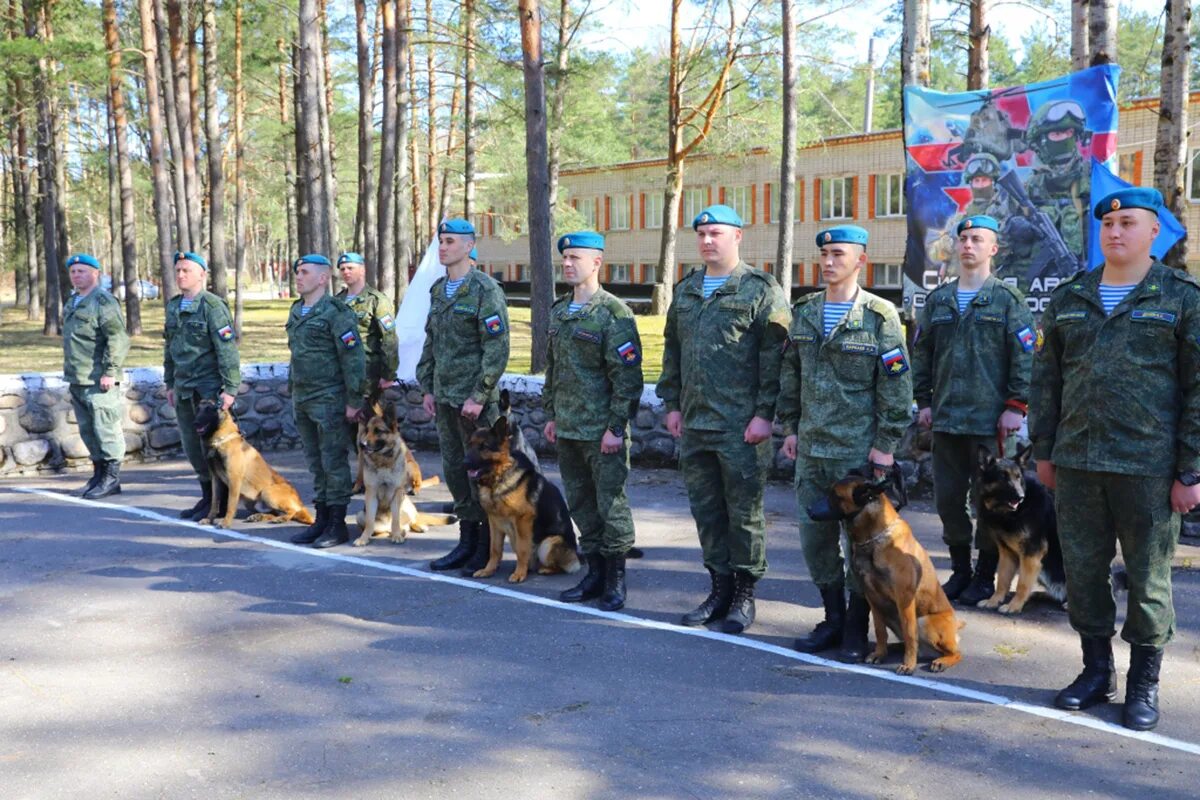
{"points": [[521, 505], [241, 475], [390, 473], [897, 577]]}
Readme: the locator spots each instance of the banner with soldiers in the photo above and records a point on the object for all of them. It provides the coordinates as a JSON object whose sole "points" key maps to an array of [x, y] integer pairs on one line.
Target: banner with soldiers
{"points": [[1021, 155]]}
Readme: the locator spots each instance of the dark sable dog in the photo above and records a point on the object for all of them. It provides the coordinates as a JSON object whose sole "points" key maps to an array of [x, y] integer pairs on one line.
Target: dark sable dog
{"points": [[1016, 510], [522, 505]]}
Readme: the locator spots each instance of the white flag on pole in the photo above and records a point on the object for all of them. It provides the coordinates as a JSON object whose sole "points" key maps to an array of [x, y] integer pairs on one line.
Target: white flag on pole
{"points": [[414, 310]]}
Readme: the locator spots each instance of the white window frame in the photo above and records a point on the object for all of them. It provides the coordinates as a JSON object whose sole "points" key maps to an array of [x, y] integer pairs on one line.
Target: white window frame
{"points": [[1193, 177], [830, 193], [654, 211], [587, 209], [650, 271], [889, 187], [695, 200], [619, 273], [558, 272], [620, 205], [773, 209], [888, 275], [738, 198]]}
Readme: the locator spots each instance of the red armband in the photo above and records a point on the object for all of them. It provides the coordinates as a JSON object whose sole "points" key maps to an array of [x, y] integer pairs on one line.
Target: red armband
{"points": [[1018, 406]]}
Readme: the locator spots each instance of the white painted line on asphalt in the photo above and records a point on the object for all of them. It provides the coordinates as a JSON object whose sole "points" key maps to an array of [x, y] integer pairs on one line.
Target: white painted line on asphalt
{"points": [[939, 686]]}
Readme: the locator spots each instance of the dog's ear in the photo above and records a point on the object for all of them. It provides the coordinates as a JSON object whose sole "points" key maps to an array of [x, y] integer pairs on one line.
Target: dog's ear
{"points": [[500, 428], [984, 457], [389, 414], [377, 408], [1023, 456], [867, 492], [505, 401]]}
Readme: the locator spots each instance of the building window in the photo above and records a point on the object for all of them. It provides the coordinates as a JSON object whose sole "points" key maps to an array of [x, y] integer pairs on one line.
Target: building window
{"points": [[694, 200], [1129, 167], [518, 272], [889, 195], [685, 269], [837, 195], [798, 276], [654, 211], [738, 198], [1194, 177], [618, 273], [587, 207], [773, 204], [650, 273], [618, 217], [887, 275], [558, 272]]}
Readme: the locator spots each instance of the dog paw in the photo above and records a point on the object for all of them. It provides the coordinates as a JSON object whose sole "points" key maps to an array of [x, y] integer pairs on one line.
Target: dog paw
{"points": [[205, 521], [361, 541], [989, 603], [397, 539], [255, 518], [937, 665], [219, 523], [515, 578], [546, 570], [905, 669], [483, 573], [1010, 609], [876, 658]]}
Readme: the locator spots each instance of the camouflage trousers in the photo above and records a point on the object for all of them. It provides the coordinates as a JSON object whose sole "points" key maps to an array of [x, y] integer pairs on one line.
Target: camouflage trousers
{"points": [[98, 414], [186, 402], [823, 542], [321, 422], [1095, 511], [954, 460], [453, 431], [595, 486], [725, 479]]}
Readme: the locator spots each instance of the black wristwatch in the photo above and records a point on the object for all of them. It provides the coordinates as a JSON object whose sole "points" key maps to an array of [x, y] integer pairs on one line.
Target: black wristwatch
{"points": [[617, 431], [1189, 478]]}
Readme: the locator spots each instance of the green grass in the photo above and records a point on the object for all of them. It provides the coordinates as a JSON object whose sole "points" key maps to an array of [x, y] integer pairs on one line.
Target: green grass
{"points": [[23, 348]]}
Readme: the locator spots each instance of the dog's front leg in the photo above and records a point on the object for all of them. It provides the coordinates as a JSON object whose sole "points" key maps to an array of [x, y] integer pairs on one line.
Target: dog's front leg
{"points": [[1027, 576], [399, 523], [1004, 576], [235, 475], [214, 507], [496, 525], [371, 508], [523, 547], [881, 636], [908, 631]]}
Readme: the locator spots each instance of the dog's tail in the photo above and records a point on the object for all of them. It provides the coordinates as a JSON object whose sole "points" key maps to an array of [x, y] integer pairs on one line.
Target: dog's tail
{"points": [[432, 480], [435, 519]]}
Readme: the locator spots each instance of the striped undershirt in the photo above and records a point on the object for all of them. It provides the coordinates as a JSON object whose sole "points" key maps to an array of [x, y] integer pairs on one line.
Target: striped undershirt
{"points": [[185, 303], [452, 286], [1111, 296], [712, 284], [574, 307], [834, 312], [304, 310], [965, 296]]}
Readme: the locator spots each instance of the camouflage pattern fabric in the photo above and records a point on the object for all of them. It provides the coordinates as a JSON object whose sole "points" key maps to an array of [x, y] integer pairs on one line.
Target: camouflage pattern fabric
{"points": [[453, 432], [321, 423], [99, 416], [595, 489], [94, 339], [377, 329], [466, 342], [825, 548], [200, 349]]}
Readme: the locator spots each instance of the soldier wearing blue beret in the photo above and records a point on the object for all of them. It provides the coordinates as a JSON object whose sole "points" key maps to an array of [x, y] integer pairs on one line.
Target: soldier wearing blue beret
{"points": [[376, 321], [1115, 423]]}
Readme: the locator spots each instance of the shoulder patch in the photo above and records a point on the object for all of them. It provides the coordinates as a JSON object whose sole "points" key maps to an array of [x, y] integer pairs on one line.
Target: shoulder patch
{"points": [[895, 363], [1027, 338], [225, 334], [629, 353], [494, 324], [349, 339], [387, 322]]}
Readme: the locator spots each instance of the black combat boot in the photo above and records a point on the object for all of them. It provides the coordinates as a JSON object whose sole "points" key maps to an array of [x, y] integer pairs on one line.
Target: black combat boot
{"points": [[960, 575], [335, 532], [1141, 688], [483, 551], [983, 584], [592, 585], [467, 531], [203, 505], [854, 635], [614, 584], [828, 632], [97, 473], [741, 607], [109, 483], [1098, 681], [310, 534], [716, 605]]}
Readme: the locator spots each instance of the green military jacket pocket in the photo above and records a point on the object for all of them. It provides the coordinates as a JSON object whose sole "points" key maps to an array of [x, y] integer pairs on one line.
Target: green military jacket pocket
{"points": [[94, 339], [466, 342], [327, 352]]}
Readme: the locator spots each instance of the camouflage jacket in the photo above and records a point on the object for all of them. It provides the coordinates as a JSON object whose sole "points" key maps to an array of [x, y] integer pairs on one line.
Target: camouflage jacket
{"points": [[466, 341], [199, 350], [966, 367], [1120, 393], [721, 355], [377, 329], [94, 339], [593, 367], [848, 392], [327, 353]]}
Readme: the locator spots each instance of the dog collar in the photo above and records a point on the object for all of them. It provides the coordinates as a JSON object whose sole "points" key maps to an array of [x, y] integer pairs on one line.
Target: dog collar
{"points": [[878, 538], [225, 439]]}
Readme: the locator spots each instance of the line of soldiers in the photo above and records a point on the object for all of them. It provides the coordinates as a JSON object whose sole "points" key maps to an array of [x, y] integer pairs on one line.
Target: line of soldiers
{"points": [[1115, 401]]}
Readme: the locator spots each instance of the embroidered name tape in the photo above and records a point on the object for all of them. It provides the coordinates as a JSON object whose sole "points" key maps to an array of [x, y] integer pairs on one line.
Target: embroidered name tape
{"points": [[1071, 316], [859, 347], [587, 336], [1152, 315]]}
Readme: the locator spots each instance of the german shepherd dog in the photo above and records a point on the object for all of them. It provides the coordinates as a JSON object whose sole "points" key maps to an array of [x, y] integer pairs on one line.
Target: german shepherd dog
{"points": [[390, 473], [522, 505], [241, 475], [1016, 510], [516, 438], [898, 578]]}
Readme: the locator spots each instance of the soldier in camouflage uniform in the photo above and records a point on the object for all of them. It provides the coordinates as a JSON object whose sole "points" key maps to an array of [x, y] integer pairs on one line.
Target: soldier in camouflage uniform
{"points": [[722, 345], [376, 321], [465, 353], [845, 401], [981, 172], [1115, 422], [94, 348], [593, 388], [327, 379], [200, 362], [971, 362]]}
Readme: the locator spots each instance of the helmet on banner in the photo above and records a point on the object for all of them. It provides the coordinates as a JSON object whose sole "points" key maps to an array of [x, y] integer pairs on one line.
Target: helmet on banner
{"points": [[981, 165], [1057, 116]]}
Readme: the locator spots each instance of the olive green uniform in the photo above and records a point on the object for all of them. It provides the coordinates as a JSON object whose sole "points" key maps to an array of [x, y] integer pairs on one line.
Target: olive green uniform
{"points": [[967, 368], [594, 384], [465, 353], [721, 358], [328, 373], [94, 345], [1116, 407], [841, 395], [200, 360], [377, 330]]}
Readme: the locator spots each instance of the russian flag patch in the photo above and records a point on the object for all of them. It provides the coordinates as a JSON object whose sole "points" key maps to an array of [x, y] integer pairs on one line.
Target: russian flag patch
{"points": [[387, 322], [629, 353], [226, 333], [350, 340], [494, 325], [894, 362], [1027, 338]]}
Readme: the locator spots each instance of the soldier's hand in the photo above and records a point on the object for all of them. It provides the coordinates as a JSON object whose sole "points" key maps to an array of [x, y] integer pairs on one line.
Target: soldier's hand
{"points": [[611, 443], [107, 382], [1045, 473], [471, 409], [171, 397], [387, 383], [550, 432], [880, 459], [351, 414], [674, 422], [226, 400], [789, 447], [427, 403], [1184, 498], [925, 418], [1009, 423], [759, 430]]}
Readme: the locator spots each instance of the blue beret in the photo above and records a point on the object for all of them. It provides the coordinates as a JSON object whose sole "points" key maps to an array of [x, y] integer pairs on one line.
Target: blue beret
{"points": [[83, 258], [1132, 197], [589, 239], [350, 258], [311, 258], [474, 254], [843, 234], [187, 255], [458, 226], [979, 221], [717, 215]]}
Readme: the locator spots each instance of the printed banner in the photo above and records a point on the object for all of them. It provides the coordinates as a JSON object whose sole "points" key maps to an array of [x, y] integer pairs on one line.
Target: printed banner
{"points": [[1022, 155]]}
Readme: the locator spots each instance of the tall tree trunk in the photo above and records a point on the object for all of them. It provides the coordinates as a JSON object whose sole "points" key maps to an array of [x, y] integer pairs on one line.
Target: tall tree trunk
{"points": [[431, 159], [24, 172], [366, 231], [304, 238], [183, 234], [414, 161], [308, 125], [158, 165], [537, 181], [387, 149], [216, 166], [1170, 147], [114, 198], [1080, 53], [133, 311], [325, 109], [787, 161], [561, 61], [915, 44], [194, 24], [1102, 31], [179, 27], [444, 194], [979, 36], [239, 143], [401, 219], [469, 25], [291, 246]]}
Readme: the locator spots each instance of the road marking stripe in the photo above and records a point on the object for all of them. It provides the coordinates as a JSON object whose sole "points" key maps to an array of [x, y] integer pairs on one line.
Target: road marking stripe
{"points": [[939, 686]]}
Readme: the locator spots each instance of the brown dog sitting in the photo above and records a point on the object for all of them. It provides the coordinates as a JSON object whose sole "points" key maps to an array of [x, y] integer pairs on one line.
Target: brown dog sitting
{"points": [[896, 574]]}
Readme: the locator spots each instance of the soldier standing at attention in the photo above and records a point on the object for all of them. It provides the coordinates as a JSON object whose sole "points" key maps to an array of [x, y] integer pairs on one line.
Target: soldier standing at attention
{"points": [[376, 322], [971, 362], [465, 353], [327, 379], [593, 388], [722, 346], [94, 348], [200, 362], [1115, 422], [845, 398]]}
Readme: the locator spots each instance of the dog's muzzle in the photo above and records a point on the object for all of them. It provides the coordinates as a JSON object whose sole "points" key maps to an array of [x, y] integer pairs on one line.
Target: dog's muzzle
{"points": [[824, 511]]}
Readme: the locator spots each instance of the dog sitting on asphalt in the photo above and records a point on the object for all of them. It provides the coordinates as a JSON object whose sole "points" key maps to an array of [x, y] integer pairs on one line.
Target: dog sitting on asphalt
{"points": [[898, 579]]}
